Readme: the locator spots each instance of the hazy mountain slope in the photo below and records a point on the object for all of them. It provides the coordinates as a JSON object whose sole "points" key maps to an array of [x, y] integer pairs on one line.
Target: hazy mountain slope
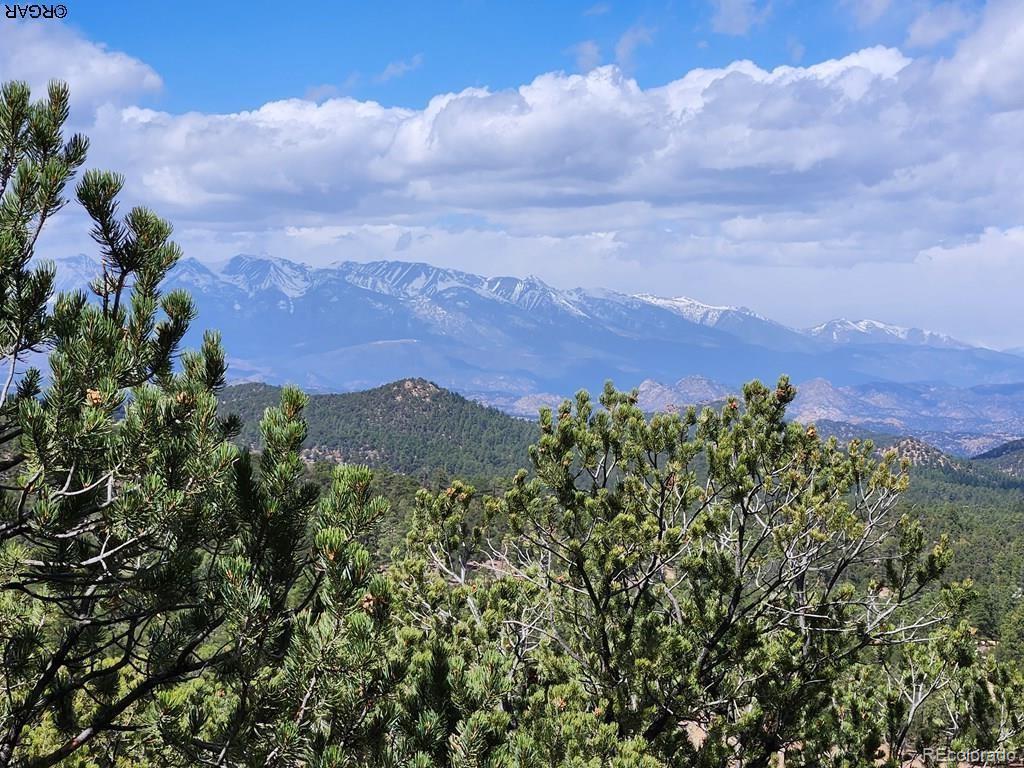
{"points": [[959, 420], [1007, 458], [409, 426], [874, 332], [690, 390], [357, 325]]}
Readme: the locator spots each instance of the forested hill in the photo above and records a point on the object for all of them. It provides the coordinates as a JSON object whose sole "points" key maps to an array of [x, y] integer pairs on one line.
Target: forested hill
{"points": [[1007, 458], [410, 426]]}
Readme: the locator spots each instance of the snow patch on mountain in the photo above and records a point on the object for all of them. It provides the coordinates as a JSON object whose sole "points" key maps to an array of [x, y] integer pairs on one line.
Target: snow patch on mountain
{"points": [[842, 331], [693, 310], [421, 284], [75, 273], [396, 278], [193, 273], [261, 273]]}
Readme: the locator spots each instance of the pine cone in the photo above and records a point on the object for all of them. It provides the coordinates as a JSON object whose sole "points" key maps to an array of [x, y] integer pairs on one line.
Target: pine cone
{"points": [[368, 603]]}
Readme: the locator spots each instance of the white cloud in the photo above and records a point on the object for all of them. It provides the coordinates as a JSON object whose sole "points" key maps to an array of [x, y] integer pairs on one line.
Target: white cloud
{"points": [[867, 12], [796, 50], [400, 68], [736, 17], [971, 288], [633, 38], [587, 55], [39, 52], [870, 184], [321, 92], [172, 186], [938, 23], [989, 62], [598, 9], [332, 91]]}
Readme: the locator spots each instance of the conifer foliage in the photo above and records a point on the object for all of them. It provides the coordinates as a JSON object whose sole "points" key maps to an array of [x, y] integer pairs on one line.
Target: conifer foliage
{"points": [[713, 613], [138, 546]]}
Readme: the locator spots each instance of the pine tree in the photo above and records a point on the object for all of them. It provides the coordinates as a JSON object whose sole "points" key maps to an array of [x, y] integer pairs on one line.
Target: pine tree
{"points": [[115, 474], [709, 581], [312, 677], [139, 549]]}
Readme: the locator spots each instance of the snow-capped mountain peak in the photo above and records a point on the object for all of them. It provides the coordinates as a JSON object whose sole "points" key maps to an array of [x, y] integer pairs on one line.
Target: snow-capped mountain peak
{"points": [[399, 278], [417, 280], [193, 273], [843, 331], [531, 293], [75, 273], [693, 310], [352, 324], [261, 273]]}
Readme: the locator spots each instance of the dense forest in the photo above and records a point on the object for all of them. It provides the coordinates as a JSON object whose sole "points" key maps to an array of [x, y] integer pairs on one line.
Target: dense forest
{"points": [[981, 509], [979, 503], [182, 587]]}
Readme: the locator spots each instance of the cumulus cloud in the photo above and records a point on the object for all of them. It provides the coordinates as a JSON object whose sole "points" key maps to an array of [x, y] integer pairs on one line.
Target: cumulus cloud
{"points": [[736, 17], [838, 187], [938, 23], [989, 62], [38, 53]]}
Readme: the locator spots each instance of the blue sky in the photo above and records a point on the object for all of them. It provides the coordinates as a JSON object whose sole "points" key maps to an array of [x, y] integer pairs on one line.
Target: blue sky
{"points": [[228, 56], [856, 158]]}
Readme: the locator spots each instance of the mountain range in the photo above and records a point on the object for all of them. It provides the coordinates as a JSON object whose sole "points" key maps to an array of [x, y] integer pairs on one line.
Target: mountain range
{"points": [[962, 421], [518, 342]]}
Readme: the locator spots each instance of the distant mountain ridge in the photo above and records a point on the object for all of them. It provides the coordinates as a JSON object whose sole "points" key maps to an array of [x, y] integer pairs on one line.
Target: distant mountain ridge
{"points": [[509, 340], [1006, 449], [867, 331], [691, 390], [413, 279], [963, 421], [1007, 458]]}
